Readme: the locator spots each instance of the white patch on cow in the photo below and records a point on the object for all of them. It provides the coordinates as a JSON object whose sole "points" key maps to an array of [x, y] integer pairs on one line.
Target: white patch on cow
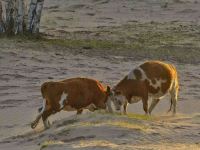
{"points": [[62, 99], [118, 101], [143, 76], [135, 99], [121, 99], [131, 75], [158, 82]]}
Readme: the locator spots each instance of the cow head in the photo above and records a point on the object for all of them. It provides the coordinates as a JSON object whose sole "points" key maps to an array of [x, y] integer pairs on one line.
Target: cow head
{"points": [[117, 98]]}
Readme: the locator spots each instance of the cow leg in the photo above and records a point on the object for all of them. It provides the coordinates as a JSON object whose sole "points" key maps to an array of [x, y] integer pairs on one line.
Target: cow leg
{"points": [[45, 115], [170, 108], [36, 121], [174, 100], [109, 107], [153, 104], [79, 111], [145, 104], [41, 110], [174, 97], [125, 107]]}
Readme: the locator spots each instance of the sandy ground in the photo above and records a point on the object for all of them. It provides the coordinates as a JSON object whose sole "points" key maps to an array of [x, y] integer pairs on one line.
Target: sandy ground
{"points": [[66, 16], [25, 65], [24, 68]]}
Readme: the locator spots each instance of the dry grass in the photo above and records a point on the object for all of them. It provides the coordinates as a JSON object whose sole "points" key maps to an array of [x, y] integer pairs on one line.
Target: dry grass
{"points": [[96, 143]]}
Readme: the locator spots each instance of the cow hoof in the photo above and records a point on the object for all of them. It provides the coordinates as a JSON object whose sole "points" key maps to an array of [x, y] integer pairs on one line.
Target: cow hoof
{"points": [[33, 125], [47, 124]]}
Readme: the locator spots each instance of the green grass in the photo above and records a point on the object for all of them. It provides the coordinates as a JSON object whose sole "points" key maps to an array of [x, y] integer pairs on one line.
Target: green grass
{"points": [[168, 41], [129, 115], [86, 44], [127, 124], [130, 121], [115, 119], [120, 123], [45, 144]]}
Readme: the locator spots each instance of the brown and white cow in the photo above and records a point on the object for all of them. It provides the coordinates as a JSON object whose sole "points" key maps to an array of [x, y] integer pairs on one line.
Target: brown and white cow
{"points": [[73, 94], [151, 79]]}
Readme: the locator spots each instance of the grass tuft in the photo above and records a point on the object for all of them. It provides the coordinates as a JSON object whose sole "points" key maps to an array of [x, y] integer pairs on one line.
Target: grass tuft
{"points": [[128, 125], [139, 116], [49, 143]]}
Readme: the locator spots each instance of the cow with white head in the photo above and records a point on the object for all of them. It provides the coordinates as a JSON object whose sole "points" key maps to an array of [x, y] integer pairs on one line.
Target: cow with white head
{"points": [[152, 79]]}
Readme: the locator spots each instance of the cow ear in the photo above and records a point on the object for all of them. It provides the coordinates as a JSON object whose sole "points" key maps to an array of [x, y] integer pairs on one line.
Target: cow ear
{"points": [[108, 91]]}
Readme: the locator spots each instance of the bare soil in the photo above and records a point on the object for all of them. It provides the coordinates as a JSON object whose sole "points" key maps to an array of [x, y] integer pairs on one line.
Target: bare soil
{"points": [[102, 39]]}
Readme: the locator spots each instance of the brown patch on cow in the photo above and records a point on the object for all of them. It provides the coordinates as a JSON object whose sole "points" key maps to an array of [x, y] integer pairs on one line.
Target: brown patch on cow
{"points": [[130, 88], [159, 70]]}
